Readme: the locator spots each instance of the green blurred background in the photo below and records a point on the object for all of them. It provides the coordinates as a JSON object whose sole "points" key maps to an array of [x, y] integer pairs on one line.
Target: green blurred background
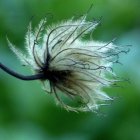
{"points": [[28, 113]]}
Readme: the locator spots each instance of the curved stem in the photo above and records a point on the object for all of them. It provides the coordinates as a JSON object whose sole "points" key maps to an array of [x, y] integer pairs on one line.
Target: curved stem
{"points": [[19, 76]]}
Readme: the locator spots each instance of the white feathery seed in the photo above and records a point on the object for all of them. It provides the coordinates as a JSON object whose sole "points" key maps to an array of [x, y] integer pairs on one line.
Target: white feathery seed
{"points": [[75, 69]]}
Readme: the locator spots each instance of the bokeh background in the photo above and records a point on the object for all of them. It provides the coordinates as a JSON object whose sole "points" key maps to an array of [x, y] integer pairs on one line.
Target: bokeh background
{"points": [[28, 113]]}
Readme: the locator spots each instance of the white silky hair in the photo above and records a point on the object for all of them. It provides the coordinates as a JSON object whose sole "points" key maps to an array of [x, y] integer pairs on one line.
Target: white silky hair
{"points": [[89, 62]]}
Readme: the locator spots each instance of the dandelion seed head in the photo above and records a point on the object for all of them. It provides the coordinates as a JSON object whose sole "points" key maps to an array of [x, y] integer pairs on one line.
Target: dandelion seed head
{"points": [[73, 68]]}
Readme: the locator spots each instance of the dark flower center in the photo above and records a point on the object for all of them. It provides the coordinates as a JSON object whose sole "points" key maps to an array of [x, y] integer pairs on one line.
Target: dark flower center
{"points": [[57, 75]]}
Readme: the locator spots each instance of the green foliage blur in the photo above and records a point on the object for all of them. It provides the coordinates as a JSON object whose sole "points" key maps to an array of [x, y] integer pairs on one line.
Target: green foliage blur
{"points": [[28, 113]]}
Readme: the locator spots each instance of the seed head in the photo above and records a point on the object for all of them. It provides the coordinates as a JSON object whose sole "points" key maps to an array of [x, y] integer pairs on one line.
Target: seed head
{"points": [[71, 67]]}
